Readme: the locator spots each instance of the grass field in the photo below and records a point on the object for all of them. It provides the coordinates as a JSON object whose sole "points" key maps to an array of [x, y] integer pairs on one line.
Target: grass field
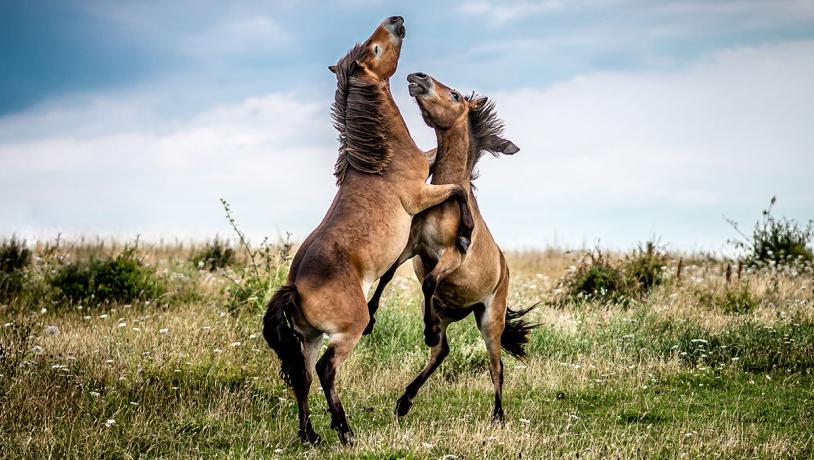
{"points": [[678, 372]]}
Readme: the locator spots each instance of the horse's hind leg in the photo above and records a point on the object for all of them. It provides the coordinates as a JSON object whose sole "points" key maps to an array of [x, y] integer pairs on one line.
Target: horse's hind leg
{"points": [[491, 322], [449, 261], [437, 355], [311, 347], [328, 365]]}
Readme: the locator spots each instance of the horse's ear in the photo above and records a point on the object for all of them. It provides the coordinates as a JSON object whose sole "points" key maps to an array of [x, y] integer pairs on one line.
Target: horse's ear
{"points": [[332, 68], [478, 103], [507, 147]]}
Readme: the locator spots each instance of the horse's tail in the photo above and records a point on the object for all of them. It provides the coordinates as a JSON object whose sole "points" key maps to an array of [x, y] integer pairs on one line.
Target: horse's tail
{"points": [[282, 338], [516, 332]]}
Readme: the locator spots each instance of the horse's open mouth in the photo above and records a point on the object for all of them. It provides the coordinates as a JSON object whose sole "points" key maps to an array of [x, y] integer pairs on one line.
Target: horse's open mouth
{"points": [[415, 89], [402, 31]]}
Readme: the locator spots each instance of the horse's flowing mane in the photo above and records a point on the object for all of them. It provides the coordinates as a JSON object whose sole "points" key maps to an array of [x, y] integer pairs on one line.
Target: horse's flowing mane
{"points": [[486, 130], [356, 115]]}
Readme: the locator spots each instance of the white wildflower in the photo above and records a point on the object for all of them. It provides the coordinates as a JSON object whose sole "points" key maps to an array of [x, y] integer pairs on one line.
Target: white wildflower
{"points": [[235, 344], [44, 310], [103, 316], [524, 421], [110, 422], [95, 394], [37, 350], [163, 330], [52, 330]]}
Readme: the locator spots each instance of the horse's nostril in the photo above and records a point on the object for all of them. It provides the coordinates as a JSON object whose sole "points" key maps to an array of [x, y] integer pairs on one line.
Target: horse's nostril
{"points": [[395, 19], [421, 75]]}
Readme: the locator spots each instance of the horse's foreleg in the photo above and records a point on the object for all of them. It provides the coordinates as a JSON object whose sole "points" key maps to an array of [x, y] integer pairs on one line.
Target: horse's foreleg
{"points": [[431, 195], [339, 347], [449, 261], [437, 355], [373, 304]]}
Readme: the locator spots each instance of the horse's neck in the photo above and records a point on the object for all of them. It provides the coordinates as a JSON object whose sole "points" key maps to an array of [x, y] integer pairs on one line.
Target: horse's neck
{"points": [[398, 135], [451, 165]]}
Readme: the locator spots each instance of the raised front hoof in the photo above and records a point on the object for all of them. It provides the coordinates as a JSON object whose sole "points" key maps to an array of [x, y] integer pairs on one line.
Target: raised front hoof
{"points": [[462, 243], [369, 329], [346, 438], [403, 406], [432, 337], [310, 437]]}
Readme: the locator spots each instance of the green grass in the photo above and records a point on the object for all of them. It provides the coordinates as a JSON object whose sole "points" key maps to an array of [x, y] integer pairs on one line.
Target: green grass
{"points": [[665, 376]]}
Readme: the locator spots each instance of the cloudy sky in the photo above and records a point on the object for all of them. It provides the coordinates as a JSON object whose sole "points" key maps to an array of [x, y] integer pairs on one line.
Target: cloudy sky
{"points": [[634, 118]]}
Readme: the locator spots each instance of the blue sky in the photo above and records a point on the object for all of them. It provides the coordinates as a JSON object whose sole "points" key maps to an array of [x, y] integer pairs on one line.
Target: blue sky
{"points": [[634, 118]]}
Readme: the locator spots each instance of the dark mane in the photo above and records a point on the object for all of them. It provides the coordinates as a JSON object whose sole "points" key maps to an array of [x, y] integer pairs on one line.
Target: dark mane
{"points": [[485, 130], [356, 115]]}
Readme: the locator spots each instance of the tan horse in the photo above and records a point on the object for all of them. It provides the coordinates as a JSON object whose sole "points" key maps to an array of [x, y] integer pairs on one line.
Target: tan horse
{"points": [[455, 286], [382, 185]]}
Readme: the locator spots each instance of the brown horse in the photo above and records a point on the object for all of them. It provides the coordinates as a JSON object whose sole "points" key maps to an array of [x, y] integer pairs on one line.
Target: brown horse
{"points": [[455, 286], [382, 184]]}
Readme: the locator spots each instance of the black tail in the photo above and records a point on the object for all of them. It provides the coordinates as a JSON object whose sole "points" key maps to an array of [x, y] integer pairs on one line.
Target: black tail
{"points": [[282, 338], [516, 332]]}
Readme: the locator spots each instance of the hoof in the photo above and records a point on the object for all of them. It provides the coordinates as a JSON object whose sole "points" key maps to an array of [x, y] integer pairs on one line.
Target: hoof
{"points": [[497, 418], [310, 437], [369, 329], [346, 438], [403, 406], [462, 243]]}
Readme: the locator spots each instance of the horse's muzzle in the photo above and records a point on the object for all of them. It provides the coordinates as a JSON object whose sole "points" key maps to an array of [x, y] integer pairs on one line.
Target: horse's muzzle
{"points": [[395, 24], [418, 83]]}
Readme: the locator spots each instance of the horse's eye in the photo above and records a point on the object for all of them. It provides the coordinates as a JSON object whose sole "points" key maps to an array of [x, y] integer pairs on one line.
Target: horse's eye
{"points": [[456, 97], [376, 50]]}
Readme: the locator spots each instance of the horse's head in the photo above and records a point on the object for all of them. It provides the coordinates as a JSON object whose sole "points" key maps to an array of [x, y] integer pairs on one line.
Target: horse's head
{"points": [[378, 56], [444, 108]]}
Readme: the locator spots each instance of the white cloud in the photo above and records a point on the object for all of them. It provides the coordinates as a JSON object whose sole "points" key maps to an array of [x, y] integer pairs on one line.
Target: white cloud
{"points": [[502, 12], [252, 35], [616, 156], [619, 156], [270, 155], [676, 17]]}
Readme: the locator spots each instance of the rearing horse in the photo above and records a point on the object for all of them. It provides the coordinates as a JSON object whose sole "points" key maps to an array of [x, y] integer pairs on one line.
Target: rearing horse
{"points": [[381, 175], [455, 286]]}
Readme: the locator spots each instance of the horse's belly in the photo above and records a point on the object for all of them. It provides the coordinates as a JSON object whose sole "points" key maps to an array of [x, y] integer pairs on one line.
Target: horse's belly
{"points": [[386, 247]]}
